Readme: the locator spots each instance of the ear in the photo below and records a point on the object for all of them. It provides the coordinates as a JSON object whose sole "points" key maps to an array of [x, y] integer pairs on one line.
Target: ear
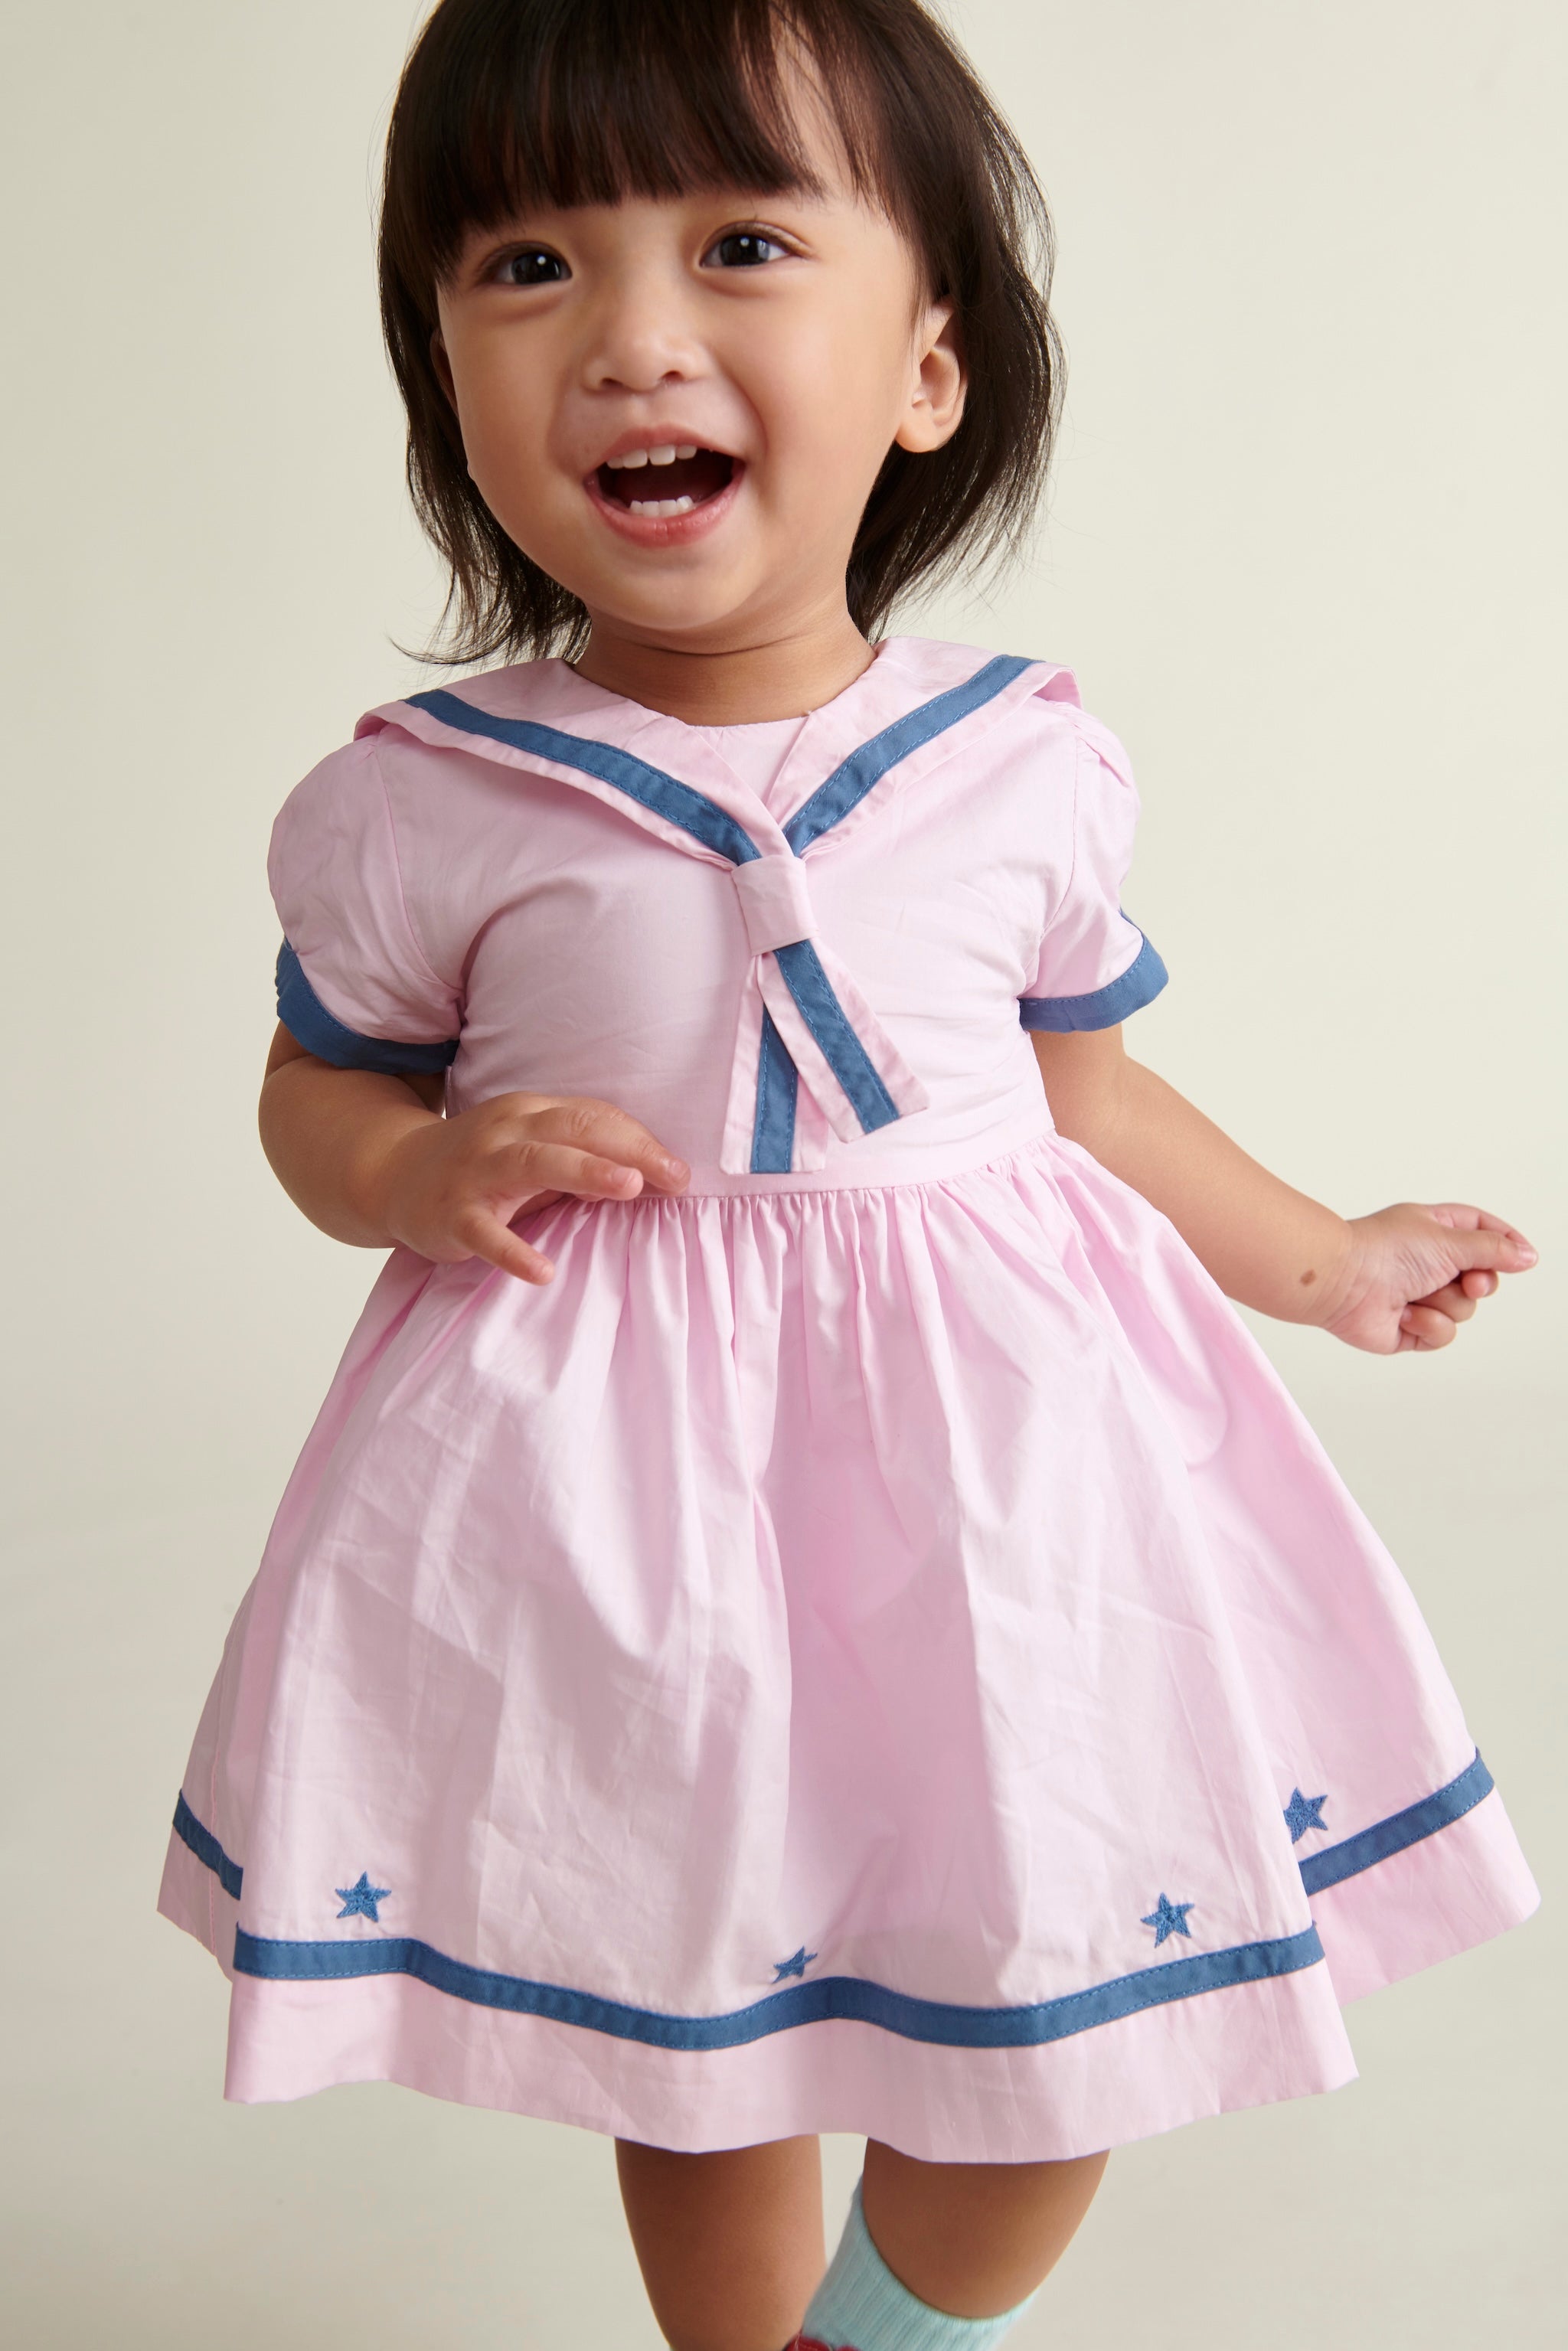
{"points": [[935, 407], [442, 366]]}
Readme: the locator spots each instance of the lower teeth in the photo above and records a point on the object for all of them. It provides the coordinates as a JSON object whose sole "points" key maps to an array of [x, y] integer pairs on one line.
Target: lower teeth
{"points": [[661, 507]]}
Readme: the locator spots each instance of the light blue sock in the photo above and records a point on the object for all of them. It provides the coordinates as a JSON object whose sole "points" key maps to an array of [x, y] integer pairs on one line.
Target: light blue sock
{"points": [[861, 2305]]}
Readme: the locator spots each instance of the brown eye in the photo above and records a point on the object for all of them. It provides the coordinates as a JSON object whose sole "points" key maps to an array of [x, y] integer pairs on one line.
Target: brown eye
{"points": [[535, 265], [742, 248]]}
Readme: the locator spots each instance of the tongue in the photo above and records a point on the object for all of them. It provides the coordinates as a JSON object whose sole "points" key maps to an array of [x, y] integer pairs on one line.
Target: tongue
{"points": [[699, 477]]}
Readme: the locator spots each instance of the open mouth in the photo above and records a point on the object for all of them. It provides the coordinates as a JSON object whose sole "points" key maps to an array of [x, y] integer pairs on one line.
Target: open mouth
{"points": [[662, 483]]}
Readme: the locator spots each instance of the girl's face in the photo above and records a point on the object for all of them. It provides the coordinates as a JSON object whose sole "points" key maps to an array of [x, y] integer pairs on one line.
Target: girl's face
{"points": [[678, 408]]}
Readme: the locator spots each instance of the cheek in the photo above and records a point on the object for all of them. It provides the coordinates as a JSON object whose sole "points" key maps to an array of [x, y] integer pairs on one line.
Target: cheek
{"points": [[832, 390], [503, 417]]}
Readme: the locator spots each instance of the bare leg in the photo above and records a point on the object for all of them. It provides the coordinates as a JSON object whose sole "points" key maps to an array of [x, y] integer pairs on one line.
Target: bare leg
{"points": [[730, 2244], [973, 2239]]}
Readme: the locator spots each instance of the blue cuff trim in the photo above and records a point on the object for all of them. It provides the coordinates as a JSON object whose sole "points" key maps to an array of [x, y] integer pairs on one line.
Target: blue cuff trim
{"points": [[832, 1997], [206, 1848], [1338, 1862], [306, 1018], [1103, 1008]]}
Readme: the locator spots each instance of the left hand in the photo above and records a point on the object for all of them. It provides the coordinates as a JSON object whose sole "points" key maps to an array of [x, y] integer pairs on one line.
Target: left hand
{"points": [[1413, 1274]]}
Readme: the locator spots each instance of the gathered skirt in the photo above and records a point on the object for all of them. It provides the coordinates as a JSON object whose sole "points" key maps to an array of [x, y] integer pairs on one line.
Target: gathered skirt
{"points": [[885, 1659]]}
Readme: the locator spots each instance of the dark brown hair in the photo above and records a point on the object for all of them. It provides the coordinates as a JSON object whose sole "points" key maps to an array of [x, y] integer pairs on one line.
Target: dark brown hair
{"points": [[505, 103]]}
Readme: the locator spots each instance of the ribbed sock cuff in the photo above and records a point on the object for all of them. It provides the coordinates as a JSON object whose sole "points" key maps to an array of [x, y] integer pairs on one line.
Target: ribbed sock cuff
{"points": [[862, 2307]]}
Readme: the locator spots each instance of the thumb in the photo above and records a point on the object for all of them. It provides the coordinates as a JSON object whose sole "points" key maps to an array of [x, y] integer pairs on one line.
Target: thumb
{"points": [[1485, 1245]]}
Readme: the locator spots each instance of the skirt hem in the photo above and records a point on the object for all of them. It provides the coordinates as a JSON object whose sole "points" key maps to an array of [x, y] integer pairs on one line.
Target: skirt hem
{"points": [[1239, 2046]]}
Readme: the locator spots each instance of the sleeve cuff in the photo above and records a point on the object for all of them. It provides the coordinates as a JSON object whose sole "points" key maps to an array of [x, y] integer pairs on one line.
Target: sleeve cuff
{"points": [[307, 1020], [1105, 1006]]}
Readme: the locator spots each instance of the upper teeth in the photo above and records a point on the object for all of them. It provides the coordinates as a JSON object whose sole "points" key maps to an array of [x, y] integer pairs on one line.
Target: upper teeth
{"points": [[666, 455]]}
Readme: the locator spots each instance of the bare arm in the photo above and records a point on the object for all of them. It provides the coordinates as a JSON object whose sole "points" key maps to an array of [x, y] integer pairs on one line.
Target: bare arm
{"points": [[328, 1133], [371, 1161], [1400, 1280]]}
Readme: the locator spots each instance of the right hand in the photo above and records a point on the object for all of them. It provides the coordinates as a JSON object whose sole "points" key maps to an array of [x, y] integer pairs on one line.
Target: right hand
{"points": [[450, 1189]]}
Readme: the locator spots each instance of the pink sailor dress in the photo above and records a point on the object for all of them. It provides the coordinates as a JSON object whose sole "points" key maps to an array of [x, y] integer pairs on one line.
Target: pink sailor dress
{"points": [[870, 1646]]}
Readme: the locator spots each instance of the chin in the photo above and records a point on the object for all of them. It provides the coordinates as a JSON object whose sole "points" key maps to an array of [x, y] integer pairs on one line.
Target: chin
{"points": [[669, 609]]}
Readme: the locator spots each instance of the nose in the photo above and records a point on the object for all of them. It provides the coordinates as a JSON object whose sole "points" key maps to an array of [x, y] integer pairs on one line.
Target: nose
{"points": [[639, 338]]}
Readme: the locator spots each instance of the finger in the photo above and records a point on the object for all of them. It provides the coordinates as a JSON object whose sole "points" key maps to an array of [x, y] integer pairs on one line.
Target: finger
{"points": [[1426, 1326], [1453, 1300], [600, 1129], [1484, 1232], [1465, 1217], [1476, 1284], [486, 1235], [532, 1168], [1487, 1250]]}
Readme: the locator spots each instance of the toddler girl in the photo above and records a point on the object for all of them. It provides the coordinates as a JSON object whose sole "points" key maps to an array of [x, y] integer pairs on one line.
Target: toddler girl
{"points": [[804, 1609]]}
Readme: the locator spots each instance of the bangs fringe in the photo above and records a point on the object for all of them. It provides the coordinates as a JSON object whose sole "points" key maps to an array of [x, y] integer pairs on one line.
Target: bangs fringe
{"points": [[593, 102], [510, 104]]}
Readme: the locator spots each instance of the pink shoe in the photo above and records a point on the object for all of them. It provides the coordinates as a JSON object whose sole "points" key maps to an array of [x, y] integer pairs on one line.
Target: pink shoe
{"points": [[810, 2343]]}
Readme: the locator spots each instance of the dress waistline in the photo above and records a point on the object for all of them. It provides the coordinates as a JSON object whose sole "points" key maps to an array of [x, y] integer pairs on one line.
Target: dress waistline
{"points": [[855, 1167]]}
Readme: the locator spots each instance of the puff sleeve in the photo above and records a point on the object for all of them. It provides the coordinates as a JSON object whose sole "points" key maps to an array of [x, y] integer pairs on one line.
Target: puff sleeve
{"points": [[354, 986], [1094, 966]]}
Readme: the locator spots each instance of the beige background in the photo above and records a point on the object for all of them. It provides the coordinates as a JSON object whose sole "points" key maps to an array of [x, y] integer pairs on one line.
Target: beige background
{"points": [[1306, 552]]}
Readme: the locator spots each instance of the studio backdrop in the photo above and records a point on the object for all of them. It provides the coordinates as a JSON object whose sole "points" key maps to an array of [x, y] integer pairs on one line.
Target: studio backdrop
{"points": [[1304, 552]]}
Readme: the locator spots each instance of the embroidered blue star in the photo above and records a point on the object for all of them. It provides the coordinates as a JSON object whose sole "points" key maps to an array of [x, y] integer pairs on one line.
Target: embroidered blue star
{"points": [[359, 1901], [1168, 1917], [795, 1967], [1304, 1812]]}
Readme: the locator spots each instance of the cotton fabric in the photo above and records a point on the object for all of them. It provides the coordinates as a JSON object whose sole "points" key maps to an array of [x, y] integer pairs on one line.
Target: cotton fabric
{"points": [[872, 1646]]}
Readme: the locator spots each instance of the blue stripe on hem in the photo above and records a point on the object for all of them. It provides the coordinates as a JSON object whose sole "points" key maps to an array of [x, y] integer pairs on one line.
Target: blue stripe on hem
{"points": [[206, 1848], [677, 802], [849, 784], [321, 1032], [1103, 1008], [834, 1997], [777, 1087], [829, 1023], [1416, 1822], [845, 1996]]}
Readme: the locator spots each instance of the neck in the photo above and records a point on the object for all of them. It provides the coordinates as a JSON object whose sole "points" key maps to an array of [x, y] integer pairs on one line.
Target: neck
{"points": [[781, 676]]}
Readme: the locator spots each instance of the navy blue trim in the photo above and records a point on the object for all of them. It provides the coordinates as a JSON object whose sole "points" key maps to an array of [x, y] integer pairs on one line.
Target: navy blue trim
{"points": [[844, 1997], [849, 784], [677, 802], [831, 1998], [1102, 1007], [826, 1018], [778, 1085], [1348, 1859], [307, 1020], [206, 1848]]}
